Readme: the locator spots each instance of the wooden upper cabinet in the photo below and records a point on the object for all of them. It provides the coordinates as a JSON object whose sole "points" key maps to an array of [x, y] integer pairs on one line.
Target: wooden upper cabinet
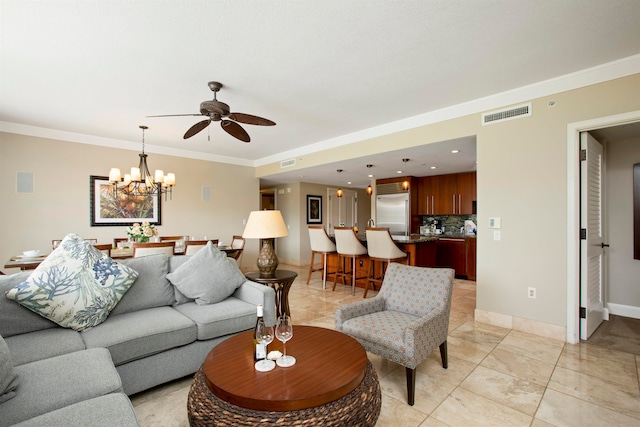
{"points": [[466, 192], [450, 194], [429, 194]]}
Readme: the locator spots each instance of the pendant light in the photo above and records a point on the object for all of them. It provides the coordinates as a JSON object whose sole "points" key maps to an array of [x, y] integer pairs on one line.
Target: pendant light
{"points": [[405, 183], [339, 192], [369, 187]]}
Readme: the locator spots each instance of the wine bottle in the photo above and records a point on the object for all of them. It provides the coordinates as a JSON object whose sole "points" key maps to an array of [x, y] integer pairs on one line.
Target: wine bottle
{"points": [[260, 349]]}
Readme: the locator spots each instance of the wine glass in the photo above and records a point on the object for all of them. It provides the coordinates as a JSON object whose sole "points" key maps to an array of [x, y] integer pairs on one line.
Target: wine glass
{"points": [[264, 335], [284, 332]]}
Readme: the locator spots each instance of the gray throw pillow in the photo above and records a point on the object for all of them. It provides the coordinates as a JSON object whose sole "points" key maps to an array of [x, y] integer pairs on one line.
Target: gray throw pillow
{"points": [[8, 376], [208, 277]]}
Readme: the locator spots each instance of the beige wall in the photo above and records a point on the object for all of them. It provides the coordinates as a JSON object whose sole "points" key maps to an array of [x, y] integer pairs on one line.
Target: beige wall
{"points": [[623, 270], [60, 203], [521, 178]]}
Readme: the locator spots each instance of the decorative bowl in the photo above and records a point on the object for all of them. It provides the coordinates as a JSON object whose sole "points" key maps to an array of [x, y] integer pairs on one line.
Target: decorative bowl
{"points": [[31, 253]]}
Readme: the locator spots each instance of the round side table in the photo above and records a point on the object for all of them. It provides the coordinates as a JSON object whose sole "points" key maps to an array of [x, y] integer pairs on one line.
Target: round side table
{"points": [[281, 283]]}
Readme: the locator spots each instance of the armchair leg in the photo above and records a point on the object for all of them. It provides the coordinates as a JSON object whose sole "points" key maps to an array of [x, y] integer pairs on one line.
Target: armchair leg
{"points": [[443, 355], [411, 385]]}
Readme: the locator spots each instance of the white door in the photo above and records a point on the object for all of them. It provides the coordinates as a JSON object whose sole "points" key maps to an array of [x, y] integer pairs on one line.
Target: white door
{"points": [[591, 244]]}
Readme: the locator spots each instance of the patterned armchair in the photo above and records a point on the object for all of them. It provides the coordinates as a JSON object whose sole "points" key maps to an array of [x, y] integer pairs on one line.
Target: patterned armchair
{"points": [[406, 321]]}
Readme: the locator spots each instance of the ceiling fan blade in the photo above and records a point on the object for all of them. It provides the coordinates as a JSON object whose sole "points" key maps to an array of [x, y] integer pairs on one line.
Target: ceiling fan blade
{"points": [[177, 115], [235, 130], [196, 128], [251, 120]]}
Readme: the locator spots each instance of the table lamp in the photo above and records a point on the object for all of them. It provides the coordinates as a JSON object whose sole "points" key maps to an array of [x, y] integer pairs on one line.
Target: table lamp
{"points": [[266, 225]]}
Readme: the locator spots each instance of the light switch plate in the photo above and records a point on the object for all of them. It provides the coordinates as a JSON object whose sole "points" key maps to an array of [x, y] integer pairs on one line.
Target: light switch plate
{"points": [[494, 222], [496, 235]]}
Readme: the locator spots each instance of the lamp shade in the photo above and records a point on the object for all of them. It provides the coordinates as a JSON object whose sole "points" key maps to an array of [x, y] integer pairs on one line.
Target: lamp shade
{"points": [[265, 225]]}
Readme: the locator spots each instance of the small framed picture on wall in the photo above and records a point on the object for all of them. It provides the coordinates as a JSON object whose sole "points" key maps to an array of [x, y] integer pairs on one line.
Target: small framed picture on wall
{"points": [[314, 209]]}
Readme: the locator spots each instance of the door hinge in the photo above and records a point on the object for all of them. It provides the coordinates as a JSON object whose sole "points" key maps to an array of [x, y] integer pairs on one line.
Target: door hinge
{"points": [[583, 234], [583, 155], [583, 313]]}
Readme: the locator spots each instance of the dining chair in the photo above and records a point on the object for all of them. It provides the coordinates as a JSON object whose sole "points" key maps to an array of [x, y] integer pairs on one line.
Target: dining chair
{"points": [[406, 321], [321, 244], [56, 242], [170, 238], [350, 248], [237, 242], [381, 249], [193, 246], [104, 248], [119, 239], [150, 248]]}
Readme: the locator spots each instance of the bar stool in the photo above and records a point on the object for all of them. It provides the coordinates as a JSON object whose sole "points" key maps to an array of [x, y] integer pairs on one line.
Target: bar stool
{"points": [[349, 247], [322, 245], [381, 248]]}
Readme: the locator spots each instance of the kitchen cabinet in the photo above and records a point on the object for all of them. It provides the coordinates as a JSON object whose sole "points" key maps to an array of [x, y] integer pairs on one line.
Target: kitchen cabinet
{"points": [[451, 194], [429, 188], [451, 253], [459, 254]]}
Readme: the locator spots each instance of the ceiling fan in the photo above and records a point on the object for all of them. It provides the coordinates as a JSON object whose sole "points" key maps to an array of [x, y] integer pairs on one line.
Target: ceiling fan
{"points": [[217, 111]]}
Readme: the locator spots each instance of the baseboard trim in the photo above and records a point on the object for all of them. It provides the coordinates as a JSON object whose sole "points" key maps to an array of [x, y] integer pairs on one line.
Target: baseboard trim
{"points": [[534, 327], [624, 310]]}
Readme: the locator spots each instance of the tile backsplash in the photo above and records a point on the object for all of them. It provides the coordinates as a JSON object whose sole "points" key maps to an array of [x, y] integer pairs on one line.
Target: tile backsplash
{"points": [[451, 223]]}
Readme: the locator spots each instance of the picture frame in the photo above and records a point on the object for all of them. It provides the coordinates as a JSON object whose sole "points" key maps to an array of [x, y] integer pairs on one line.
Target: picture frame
{"points": [[314, 209], [110, 209]]}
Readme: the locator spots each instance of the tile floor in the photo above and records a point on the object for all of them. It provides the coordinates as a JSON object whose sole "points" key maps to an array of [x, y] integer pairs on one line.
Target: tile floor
{"points": [[496, 376]]}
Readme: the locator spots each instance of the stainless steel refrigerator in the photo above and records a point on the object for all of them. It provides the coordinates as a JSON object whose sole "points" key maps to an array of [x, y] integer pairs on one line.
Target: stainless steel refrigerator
{"points": [[392, 211]]}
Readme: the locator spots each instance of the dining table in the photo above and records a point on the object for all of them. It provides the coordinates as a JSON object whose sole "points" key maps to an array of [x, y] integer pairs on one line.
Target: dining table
{"points": [[31, 263]]}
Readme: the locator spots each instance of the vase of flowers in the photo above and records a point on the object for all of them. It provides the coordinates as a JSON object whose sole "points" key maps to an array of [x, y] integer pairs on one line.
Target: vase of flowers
{"points": [[141, 232]]}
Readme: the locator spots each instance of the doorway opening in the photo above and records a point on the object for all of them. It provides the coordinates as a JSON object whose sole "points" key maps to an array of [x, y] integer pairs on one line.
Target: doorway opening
{"points": [[573, 213]]}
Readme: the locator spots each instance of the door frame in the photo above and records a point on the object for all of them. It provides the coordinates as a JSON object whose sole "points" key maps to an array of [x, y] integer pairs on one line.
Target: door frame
{"points": [[573, 212]]}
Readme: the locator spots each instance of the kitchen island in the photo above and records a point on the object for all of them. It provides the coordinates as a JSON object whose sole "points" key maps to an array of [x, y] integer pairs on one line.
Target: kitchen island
{"points": [[455, 251]]}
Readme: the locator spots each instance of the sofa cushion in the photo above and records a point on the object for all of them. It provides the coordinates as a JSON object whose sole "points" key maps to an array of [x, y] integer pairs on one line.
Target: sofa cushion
{"points": [[208, 277], [8, 375], [110, 410], [76, 286], [215, 320], [38, 345], [151, 288], [50, 384], [135, 335], [14, 318], [174, 263]]}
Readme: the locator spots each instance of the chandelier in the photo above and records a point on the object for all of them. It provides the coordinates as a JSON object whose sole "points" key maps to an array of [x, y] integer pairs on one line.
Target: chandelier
{"points": [[140, 182]]}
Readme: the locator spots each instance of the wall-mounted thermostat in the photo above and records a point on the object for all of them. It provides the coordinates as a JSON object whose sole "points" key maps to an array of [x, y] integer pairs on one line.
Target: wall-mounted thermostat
{"points": [[494, 222]]}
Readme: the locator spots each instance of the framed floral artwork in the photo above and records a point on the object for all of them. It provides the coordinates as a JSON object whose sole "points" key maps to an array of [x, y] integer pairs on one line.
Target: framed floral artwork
{"points": [[314, 209], [109, 209]]}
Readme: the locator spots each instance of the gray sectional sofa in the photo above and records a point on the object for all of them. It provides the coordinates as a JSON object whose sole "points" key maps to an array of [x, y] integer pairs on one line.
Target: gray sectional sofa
{"points": [[154, 334]]}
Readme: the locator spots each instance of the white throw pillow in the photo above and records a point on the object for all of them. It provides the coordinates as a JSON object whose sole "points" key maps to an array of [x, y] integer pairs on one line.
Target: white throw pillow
{"points": [[208, 277], [76, 286]]}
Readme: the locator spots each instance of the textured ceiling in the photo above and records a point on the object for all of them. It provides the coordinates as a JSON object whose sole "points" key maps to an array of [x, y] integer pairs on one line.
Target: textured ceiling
{"points": [[320, 69]]}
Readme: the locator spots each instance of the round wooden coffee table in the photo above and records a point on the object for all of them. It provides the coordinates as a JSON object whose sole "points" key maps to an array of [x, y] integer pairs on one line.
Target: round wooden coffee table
{"points": [[332, 383]]}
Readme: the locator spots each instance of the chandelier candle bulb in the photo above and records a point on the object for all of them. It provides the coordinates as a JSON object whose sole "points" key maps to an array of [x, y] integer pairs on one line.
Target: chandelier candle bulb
{"points": [[159, 175], [127, 179], [170, 179], [114, 175], [135, 174]]}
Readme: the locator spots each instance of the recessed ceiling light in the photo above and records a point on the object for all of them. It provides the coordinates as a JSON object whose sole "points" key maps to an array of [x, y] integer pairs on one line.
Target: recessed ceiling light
{"points": [[398, 171], [370, 176], [455, 151], [349, 182], [434, 167]]}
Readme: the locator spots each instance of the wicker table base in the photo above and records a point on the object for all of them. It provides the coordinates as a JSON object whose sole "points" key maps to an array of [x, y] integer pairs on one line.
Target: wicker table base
{"points": [[361, 407]]}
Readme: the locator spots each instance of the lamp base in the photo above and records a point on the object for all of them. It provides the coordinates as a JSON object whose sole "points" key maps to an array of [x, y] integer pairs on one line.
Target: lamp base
{"points": [[267, 259]]}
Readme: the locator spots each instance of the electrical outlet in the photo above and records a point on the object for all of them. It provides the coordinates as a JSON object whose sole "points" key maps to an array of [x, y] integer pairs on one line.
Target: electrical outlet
{"points": [[531, 293]]}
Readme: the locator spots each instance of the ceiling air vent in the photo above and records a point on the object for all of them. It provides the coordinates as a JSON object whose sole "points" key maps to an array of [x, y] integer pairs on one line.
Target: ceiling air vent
{"points": [[287, 163], [508, 114]]}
